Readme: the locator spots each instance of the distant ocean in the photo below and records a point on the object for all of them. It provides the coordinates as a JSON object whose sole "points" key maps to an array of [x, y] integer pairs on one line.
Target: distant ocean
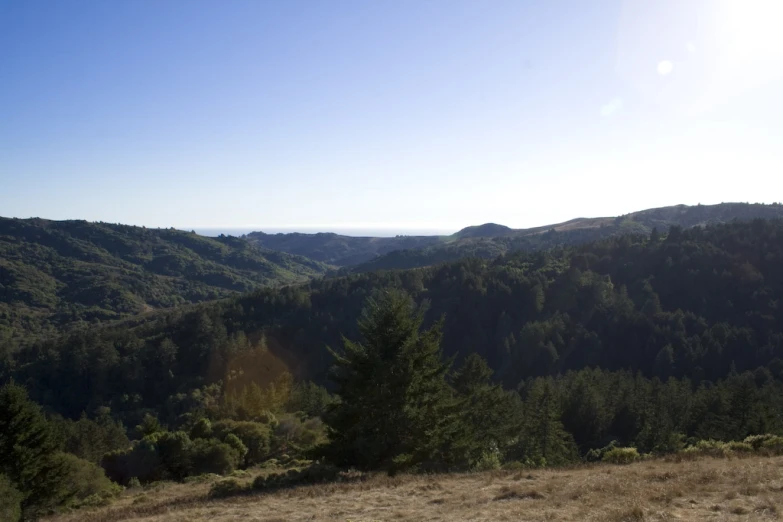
{"points": [[356, 232]]}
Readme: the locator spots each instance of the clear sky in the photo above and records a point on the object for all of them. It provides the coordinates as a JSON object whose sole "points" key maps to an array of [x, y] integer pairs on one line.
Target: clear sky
{"points": [[396, 113]]}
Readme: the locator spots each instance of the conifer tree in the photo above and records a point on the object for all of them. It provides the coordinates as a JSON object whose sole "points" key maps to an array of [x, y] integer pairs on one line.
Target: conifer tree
{"points": [[395, 409], [27, 448], [489, 417]]}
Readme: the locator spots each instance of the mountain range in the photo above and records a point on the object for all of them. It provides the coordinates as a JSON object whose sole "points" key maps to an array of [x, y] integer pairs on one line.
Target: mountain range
{"points": [[56, 274]]}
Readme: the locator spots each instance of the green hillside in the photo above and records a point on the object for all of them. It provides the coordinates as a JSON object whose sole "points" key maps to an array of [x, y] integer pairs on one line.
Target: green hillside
{"points": [[490, 240], [702, 302], [56, 273], [336, 249]]}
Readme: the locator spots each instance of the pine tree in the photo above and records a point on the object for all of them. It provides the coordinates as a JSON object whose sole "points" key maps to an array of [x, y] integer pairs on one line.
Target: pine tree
{"points": [[395, 409], [489, 416], [544, 440], [28, 448]]}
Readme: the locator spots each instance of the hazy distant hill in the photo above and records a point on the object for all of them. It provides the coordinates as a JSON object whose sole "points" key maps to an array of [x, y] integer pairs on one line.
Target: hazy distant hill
{"points": [[336, 249], [55, 272], [491, 240]]}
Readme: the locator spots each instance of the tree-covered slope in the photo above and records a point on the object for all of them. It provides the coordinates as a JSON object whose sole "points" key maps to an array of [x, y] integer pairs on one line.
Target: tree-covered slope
{"points": [[490, 240], [701, 303], [55, 272], [336, 249]]}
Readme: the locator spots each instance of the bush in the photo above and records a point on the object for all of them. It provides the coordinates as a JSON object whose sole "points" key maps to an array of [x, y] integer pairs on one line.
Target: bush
{"points": [[202, 429], [713, 448], [268, 418], [227, 488], [739, 447], [85, 482], [213, 456], [271, 463], [597, 454], [10, 501], [489, 460], [233, 441], [174, 451], [294, 434], [255, 436], [621, 455], [141, 461], [758, 440], [313, 474], [773, 445]]}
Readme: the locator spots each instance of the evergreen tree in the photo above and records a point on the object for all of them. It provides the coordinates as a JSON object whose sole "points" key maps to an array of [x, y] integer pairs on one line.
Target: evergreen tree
{"points": [[395, 409], [489, 416], [28, 448], [544, 440], [10, 501]]}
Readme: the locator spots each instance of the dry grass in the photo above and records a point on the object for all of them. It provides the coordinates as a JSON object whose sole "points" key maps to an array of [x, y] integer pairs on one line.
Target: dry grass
{"points": [[707, 489]]}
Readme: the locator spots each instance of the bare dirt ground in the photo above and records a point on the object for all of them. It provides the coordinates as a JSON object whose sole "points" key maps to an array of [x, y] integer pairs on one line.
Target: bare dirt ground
{"points": [[738, 489]]}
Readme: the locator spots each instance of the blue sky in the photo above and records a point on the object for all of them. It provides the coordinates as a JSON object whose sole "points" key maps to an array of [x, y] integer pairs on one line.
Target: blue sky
{"points": [[391, 114]]}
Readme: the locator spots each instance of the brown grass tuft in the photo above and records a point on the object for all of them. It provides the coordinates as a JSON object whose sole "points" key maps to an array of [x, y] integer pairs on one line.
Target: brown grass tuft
{"points": [[508, 493], [635, 514]]}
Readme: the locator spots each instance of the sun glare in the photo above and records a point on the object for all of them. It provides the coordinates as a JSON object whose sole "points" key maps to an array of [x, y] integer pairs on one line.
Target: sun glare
{"points": [[754, 27]]}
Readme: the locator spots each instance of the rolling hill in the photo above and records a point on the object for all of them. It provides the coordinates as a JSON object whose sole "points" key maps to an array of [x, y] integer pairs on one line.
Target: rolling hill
{"points": [[365, 254], [701, 302], [490, 240], [53, 273]]}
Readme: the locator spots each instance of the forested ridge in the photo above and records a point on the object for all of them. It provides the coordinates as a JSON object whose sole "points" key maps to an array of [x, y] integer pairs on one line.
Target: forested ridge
{"points": [[628, 346], [491, 240], [365, 254], [54, 274], [695, 303]]}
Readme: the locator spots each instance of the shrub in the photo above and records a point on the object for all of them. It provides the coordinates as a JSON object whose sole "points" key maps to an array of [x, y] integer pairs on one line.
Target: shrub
{"points": [[713, 448], [313, 474], [739, 447], [202, 429], [535, 462], [174, 449], [255, 436], [489, 460], [233, 441], [10, 501], [621, 455], [85, 482], [597, 454], [773, 445], [268, 418], [271, 463], [213, 456], [294, 434], [227, 488], [758, 440], [134, 482], [141, 461]]}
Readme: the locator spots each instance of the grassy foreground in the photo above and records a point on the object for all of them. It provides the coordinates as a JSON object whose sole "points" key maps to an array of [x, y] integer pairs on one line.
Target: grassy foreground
{"points": [[713, 489]]}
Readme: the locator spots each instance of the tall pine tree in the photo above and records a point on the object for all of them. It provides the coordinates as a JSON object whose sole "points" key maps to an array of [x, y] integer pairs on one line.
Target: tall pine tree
{"points": [[395, 410], [28, 448]]}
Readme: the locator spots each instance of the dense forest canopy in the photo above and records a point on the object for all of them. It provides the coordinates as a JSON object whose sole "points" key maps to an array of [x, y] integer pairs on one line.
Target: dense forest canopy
{"points": [[55, 273], [635, 344], [696, 303]]}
